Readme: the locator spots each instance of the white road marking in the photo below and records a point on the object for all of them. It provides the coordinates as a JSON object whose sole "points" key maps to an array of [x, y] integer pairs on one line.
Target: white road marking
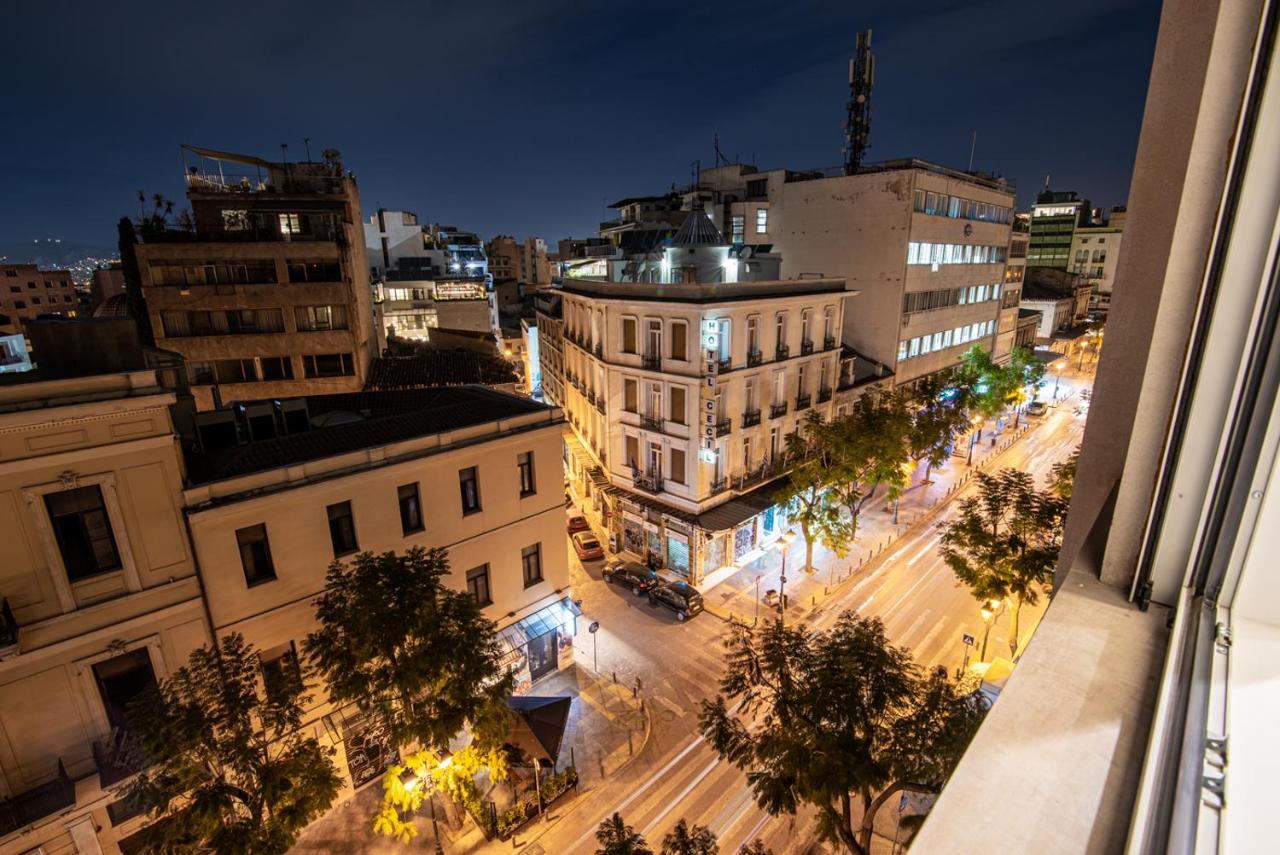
{"points": [[706, 770], [751, 835], [927, 549]]}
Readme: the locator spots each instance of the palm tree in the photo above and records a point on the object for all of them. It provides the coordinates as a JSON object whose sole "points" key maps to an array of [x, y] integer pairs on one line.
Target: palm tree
{"points": [[617, 838], [683, 840]]}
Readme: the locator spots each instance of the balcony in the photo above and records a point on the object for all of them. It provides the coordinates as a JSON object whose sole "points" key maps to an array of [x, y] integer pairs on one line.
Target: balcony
{"points": [[651, 362], [750, 418], [34, 805], [117, 758], [829, 343], [651, 422], [754, 358], [781, 352], [726, 364], [591, 397], [598, 350], [763, 472], [824, 394], [778, 410], [600, 404], [806, 347], [649, 482], [719, 485], [723, 426], [803, 402]]}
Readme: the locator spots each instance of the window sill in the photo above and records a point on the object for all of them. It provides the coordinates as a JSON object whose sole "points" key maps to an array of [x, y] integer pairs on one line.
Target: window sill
{"points": [[471, 512], [534, 583], [419, 530], [529, 494], [337, 555], [253, 583]]}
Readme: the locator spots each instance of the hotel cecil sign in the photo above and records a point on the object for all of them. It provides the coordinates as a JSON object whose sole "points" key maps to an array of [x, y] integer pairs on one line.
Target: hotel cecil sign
{"points": [[707, 400]]}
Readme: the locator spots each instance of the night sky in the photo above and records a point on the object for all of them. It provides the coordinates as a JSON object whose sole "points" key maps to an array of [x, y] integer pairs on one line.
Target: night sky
{"points": [[526, 117]]}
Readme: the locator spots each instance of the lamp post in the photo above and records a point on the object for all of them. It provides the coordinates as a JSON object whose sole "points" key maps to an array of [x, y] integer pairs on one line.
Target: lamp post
{"points": [[989, 614], [974, 436], [788, 537], [1057, 369], [757, 617]]}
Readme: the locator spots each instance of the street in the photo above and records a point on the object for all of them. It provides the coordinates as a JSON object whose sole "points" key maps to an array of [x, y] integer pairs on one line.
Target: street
{"points": [[677, 665]]}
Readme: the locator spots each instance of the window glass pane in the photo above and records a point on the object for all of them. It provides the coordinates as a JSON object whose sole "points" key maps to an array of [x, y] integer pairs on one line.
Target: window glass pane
{"points": [[410, 508], [342, 529], [255, 554]]}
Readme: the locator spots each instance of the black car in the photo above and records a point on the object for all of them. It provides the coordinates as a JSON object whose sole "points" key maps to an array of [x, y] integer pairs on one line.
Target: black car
{"points": [[681, 597], [631, 575]]}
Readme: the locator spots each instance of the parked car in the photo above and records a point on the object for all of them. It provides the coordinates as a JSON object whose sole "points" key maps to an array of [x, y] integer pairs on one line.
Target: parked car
{"points": [[587, 546], [1037, 408], [578, 523], [681, 597], [630, 574]]}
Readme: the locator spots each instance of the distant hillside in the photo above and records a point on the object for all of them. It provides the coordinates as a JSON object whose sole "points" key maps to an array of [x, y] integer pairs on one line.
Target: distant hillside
{"points": [[52, 252]]}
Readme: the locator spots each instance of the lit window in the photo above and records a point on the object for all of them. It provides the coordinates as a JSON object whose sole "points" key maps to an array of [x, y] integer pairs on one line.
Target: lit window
{"points": [[902, 349], [915, 347], [762, 220], [290, 224]]}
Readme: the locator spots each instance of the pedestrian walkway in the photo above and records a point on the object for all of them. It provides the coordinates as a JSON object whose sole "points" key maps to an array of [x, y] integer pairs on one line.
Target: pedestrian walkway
{"points": [[607, 727], [752, 590]]}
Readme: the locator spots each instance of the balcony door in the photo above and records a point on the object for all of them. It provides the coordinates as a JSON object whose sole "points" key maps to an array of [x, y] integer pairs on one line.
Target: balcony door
{"points": [[120, 680], [654, 348], [655, 460]]}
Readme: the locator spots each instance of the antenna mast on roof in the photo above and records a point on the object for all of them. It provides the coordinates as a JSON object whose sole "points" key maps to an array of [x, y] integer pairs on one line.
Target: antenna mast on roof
{"points": [[857, 129], [720, 158]]}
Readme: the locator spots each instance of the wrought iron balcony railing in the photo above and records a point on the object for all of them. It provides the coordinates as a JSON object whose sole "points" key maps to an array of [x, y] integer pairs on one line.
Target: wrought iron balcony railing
{"points": [[648, 481], [806, 347], [829, 343], [750, 418], [802, 402], [824, 394], [723, 426], [651, 422], [754, 358], [778, 410], [781, 352], [651, 362]]}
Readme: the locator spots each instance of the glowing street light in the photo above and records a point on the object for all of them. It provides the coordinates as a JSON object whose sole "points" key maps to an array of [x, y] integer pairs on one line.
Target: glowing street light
{"points": [[1057, 367], [989, 614], [788, 537], [974, 436]]}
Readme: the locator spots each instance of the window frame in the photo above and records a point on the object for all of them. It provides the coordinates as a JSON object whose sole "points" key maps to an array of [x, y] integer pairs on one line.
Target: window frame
{"points": [[534, 552], [525, 470], [470, 474], [259, 579], [480, 573], [416, 506], [337, 513]]}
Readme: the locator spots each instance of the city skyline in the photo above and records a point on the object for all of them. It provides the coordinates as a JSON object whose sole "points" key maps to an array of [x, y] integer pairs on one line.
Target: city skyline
{"points": [[553, 134]]}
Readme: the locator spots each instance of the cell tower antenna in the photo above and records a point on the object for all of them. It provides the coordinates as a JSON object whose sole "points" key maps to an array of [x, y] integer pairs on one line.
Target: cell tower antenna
{"points": [[857, 131]]}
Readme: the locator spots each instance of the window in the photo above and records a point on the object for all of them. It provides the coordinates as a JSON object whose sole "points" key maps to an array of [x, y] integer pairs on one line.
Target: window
{"points": [[780, 330], [277, 368], [342, 529], [676, 410], [290, 224], [478, 584], [524, 462], [926, 345], [630, 395], [680, 341], [902, 349], [654, 343], [281, 674], [255, 554], [316, 318], [628, 335], [328, 364], [83, 532], [753, 335], [762, 220], [677, 465], [915, 347], [633, 452], [531, 560], [410, 508], [469, 484], [737, 227]]}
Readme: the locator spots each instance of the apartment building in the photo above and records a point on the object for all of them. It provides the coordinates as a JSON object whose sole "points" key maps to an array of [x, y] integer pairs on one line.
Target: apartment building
{"points": [[1055, 216], [415, 267], [1141, 716], [98, 597], [1007, 326], [1062, 299], [684, 372], [1095, 251], [267, 295], [106, 282], [470, 469], [27, 292], [923, 245]]}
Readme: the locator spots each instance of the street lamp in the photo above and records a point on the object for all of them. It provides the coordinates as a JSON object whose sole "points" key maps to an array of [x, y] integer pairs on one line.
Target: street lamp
{"points": [[759, 576], [974, 436], [1057, 368], [788, 537], [988, 613]]}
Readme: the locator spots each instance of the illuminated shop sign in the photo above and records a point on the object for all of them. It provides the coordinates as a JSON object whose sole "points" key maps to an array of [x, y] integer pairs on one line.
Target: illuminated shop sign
{"points": [[707, 399]]}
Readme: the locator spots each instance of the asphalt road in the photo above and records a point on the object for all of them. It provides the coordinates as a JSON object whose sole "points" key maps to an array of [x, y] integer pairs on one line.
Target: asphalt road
{"points": [[676, 775]]}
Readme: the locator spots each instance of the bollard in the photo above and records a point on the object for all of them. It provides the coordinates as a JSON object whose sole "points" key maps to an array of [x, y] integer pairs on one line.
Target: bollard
{"points": [[635, 693], [615, 676]]}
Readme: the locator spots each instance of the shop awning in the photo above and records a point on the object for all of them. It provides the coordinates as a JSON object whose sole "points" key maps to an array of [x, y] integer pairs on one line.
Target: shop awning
{"points": [[539, 725], [516, 637], [742, 508]]}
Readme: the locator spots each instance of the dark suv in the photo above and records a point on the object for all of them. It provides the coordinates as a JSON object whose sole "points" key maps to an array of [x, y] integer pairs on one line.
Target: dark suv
{"points": [[631, 575], [681, 597]]}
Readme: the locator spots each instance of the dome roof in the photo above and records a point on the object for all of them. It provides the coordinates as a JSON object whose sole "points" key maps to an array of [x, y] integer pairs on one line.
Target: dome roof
{"points": [[697, 230]]}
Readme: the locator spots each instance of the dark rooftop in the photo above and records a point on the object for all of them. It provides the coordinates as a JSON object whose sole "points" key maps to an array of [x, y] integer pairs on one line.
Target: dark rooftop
{"points": [[454, 366], [348, 422]]}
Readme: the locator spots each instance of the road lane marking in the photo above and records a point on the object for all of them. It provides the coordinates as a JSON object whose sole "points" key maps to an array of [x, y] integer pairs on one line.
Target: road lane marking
{"points": [[927, 549], [755, 832], [648, 829]]}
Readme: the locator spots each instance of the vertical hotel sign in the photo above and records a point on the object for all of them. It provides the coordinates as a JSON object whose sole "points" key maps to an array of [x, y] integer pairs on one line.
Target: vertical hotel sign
{"points": [[707, 399]]}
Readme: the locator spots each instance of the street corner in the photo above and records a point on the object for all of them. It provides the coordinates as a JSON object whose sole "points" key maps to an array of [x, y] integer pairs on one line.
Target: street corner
{"points": [[609, 723]]}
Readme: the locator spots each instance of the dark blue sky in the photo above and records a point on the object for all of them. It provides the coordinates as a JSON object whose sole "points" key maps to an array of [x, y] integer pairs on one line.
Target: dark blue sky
{"points": [[525, 117]]}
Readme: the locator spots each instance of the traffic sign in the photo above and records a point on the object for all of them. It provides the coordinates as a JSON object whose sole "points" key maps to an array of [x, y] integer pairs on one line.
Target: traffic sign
{"points": [[902, 803], [595, 625], [968, 639]]}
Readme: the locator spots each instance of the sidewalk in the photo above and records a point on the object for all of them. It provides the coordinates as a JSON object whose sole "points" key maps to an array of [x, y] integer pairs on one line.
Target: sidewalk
{"points": [[607, 727], [735, 596]]}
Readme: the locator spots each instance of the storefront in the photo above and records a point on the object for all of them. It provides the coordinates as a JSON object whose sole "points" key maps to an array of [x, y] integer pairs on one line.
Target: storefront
{"points": [[540, 643]]}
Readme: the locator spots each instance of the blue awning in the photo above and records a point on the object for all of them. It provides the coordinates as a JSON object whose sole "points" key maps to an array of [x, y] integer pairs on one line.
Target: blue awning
{"points": [[559, 615]]}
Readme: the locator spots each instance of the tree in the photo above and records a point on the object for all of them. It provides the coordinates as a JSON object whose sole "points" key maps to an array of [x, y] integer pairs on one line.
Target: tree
{"points": [[1062, 476], [127, 239], [805, 495], [985, 386], [1024, 371], [937, 415], [829, 716], [684, 840], [1004, 542], [422, 660], [867, 448], [756, 847], [617, 838], [228, 766]]}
